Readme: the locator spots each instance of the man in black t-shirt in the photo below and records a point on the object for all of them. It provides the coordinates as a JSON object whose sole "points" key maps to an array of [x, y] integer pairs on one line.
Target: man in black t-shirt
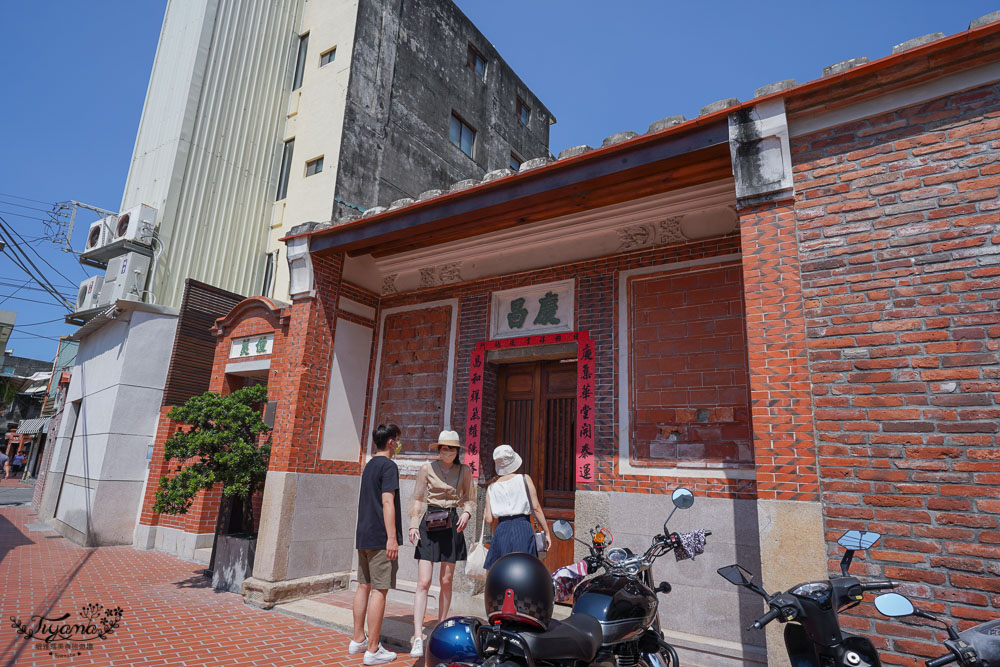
{"points": [[379, 532]]}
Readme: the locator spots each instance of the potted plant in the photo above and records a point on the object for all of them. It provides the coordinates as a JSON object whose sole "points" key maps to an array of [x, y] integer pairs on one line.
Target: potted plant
{"points": [[222, 440]]}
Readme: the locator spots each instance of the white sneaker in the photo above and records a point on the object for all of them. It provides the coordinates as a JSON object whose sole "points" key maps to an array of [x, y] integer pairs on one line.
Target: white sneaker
{"points": [[378, 657], [418, 648], [357, 647]]}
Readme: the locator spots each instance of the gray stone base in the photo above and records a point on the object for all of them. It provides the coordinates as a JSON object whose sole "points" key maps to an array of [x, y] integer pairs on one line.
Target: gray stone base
{"points": [[792, 550], [266, 594], [171, 541], [233, 562]]}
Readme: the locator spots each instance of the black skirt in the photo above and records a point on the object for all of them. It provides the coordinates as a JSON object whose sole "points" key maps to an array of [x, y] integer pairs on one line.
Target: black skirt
{"points": [[441, 546]]}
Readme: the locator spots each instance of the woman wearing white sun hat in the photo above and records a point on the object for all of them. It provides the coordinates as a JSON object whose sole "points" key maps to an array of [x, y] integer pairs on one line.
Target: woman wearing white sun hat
{"points": [[442, 504], [510, 500]]}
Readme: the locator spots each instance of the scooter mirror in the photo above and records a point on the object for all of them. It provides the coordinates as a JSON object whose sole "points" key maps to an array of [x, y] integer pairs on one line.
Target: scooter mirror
{"points": [[893, 604], [858, 539], [562, 529], [735, 574], [682, 498]]}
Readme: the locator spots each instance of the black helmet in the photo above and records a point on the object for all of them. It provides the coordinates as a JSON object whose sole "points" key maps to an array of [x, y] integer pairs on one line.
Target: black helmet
{"points": [[519, 589]]}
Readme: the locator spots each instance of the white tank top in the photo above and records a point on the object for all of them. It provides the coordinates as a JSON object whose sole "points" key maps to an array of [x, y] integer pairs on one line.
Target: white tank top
{"points": [[509, 497]]}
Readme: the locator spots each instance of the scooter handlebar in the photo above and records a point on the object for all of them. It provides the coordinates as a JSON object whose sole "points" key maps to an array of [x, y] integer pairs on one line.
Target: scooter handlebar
{"points": [[943, 660], [877, 585], [765, 619]]}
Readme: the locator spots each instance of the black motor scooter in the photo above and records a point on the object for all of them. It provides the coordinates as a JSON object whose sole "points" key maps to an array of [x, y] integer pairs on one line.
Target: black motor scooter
{"points": [[813, 637], [978, 646], [614, 622]]}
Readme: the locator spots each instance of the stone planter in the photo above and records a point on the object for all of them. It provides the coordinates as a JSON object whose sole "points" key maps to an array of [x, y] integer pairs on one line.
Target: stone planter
{"points": [[234, 556]]}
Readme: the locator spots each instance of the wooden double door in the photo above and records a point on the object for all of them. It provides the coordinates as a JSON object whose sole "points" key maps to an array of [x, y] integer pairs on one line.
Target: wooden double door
{"points": [[536, 416]]}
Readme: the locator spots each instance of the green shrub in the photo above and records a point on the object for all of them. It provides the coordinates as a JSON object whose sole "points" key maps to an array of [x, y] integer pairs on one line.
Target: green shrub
{"points": [[225, 441]]}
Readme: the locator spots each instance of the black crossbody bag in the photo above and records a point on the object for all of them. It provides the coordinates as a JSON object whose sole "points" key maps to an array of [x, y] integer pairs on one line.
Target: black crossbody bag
{"points": [[440, 519]]}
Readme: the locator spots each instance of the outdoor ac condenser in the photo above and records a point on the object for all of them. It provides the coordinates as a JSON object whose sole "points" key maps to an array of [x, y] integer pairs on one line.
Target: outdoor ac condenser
{"points": [[136, 224], [90, 290], [99, 234], [125, 278]]}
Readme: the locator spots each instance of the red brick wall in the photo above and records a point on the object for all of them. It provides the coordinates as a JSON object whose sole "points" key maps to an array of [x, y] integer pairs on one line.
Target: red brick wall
{"points": [[688, 363], [413, 377], [898, 237], [202, 516], [596, 295], [781, 409]]}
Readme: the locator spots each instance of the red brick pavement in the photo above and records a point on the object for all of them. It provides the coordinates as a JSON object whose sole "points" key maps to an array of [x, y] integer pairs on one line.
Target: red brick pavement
{"points": [[171, 616]]}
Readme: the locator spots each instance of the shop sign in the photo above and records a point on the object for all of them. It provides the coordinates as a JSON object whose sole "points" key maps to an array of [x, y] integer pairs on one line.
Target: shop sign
{"points": [[528, 311], [254, 346]]}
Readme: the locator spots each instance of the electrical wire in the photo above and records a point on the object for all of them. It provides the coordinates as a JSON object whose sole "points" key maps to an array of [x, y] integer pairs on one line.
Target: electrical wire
{"points": [[18, 287], [33, 208], [24, 298], [35, 324], [37, 276], [31, 335], [29, 217], [65, 277], [37, 201], [19, 257]]}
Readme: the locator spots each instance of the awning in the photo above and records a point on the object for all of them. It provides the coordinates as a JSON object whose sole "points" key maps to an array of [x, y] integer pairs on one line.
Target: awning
{"points": [[32, 426]]}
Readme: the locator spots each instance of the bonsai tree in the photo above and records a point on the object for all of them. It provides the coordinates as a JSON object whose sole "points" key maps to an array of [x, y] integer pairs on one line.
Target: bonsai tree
{"points": [[226, 442]]}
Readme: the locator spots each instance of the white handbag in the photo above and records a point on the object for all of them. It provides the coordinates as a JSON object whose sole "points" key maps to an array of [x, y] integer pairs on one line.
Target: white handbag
{"points": [[477, 557]]}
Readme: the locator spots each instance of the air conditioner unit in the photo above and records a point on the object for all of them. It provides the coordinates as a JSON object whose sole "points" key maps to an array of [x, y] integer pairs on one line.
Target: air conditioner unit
{"points": [[99, 234], [125, 278], [90, 290], [135, 224]]}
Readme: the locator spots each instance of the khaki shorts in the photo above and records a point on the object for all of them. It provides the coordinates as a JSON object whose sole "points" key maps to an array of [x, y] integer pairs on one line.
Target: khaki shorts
{"points": [[375, 568]]}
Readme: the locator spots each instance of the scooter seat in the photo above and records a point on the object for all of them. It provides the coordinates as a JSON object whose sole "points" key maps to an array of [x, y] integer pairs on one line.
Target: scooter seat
{"points": [[576, 638]]}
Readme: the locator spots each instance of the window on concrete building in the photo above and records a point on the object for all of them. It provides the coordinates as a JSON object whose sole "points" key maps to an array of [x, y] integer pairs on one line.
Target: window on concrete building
{"points": [[515, 162], [300, 61], [462, 135], [523, 111], [286, 165], [314, 166], [270, 259], [476, 62], [327, 57]]}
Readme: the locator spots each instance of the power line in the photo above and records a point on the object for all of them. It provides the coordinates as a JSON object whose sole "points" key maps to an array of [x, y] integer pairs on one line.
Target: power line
{"points": [[4, 283], [29, 217], [37, 201], [35, 324], [21, 298], [40, 278], [66, 278], [33, 208], [31, 335]]}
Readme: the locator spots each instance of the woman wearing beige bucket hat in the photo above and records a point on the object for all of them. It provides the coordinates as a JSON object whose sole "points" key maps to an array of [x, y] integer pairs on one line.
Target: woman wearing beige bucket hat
{"points": [[442, 504], [510, 501]]}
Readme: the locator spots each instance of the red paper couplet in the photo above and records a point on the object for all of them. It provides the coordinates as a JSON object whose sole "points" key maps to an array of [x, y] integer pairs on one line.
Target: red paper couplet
{"points": [[585, 464], [585, 383]]}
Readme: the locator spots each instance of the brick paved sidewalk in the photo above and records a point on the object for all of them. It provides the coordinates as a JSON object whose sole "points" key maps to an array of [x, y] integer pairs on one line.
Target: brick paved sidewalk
{"points": [[170, 615]]}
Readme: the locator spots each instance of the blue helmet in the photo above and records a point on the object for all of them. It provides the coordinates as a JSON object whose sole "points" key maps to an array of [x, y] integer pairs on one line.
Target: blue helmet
{"points": [[453, 641]]}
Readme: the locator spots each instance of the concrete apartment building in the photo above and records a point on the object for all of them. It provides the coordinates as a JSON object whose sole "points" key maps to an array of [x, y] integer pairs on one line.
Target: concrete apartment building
{"points": [[260, 116]]}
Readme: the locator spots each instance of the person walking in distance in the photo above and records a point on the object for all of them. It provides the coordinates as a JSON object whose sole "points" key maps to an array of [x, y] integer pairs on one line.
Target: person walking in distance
{"points": [[377, 539], [442, 505], [510, 501]]}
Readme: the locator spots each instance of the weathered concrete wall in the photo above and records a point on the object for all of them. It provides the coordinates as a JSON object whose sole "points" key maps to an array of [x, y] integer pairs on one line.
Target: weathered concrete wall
{"points": [[99, 461], [408, 75]]}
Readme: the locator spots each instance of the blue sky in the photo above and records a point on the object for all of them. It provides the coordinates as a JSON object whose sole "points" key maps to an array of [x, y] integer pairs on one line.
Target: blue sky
{"points": [[74, 75]]}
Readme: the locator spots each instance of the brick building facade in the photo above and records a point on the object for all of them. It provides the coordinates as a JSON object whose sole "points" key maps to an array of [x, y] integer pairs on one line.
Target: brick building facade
{"points": [[788, 305]]}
